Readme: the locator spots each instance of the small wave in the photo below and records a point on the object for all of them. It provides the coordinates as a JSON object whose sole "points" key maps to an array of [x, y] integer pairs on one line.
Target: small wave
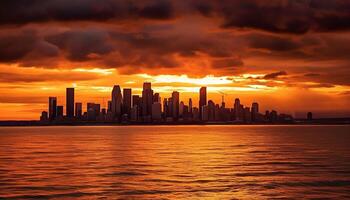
{"points": [[125, 173], [334, 183], [47, 188], [183, 176], [163, 180], [145, 192], [53, 196], [259, 152], [215, 190], [274, 173]]}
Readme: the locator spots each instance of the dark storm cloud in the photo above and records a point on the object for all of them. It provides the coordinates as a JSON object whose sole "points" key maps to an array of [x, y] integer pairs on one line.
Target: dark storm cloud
{"points": [[274, 43], [339, 75], [16, 45], [168, 44], [157, 10], [230, 63], [272, 16], [201, 33], [26, 11], [285, 16], [79, 45], [278, 16], [275, 75]]}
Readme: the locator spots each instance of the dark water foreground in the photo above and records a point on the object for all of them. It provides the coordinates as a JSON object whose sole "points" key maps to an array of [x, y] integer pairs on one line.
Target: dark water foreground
{"points": [[175, 162]]}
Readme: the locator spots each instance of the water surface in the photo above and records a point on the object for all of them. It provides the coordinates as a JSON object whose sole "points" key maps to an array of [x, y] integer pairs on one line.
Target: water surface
{"points": [[175, 162]]}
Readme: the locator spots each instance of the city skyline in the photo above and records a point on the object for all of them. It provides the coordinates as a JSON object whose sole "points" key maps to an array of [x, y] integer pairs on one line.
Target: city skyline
{"points": [[124, 107]]}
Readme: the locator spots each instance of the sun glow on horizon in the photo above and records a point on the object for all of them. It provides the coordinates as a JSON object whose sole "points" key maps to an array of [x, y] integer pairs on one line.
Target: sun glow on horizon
{"points": [[95, 70], [207, 80]]}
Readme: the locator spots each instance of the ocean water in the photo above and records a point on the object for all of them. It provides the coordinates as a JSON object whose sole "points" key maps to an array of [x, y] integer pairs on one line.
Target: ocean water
{"points": [[175, 162]]}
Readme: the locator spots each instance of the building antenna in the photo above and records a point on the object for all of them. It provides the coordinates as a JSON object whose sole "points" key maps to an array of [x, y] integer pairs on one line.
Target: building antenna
{"points": [[222, 96]]}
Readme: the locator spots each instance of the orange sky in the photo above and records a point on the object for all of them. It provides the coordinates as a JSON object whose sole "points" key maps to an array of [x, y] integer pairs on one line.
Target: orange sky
{"points": [[292, 56]]}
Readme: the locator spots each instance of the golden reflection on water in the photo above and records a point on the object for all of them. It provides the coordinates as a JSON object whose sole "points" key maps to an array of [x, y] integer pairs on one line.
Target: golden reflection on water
{"points": [[175, 162]]}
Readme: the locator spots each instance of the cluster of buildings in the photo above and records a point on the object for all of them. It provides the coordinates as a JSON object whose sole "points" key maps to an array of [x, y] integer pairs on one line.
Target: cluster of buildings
{"points": [[149, 108]]}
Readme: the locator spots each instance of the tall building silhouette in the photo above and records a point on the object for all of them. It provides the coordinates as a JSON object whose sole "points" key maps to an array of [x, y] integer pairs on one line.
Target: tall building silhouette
{"points": [[90, 106], [211, 110], [70, 102], [78, 109], [202, 99], [59, 110], [175, 103], [237, 109], [91, 112], [255, 111], [156, 98], [181, 109], [135, 100], [147, 99], [190, 106], [97, 109], [127, 101], [247, 116], [170, 107], [205, 113], [43, 116], [156, 111], [273, 116], [109, 106], [309, 116], [116, 102], [165, 108], [52, 108]]}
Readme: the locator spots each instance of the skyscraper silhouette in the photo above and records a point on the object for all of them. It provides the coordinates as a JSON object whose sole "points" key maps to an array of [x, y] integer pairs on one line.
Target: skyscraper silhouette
{"points": [[211, 110], [147, 99], [255, 111], [91, 112], [175, 103], [78, 109], [70, 102], [116, 102], [109, 107], [202, 99], [181, 109], [52, 108], [309, 116], [59, 110], [165, 108], [156, 98], [237, 109], [135, 100], [190, 106], [43, 116], [127, 101], [156, 111]]}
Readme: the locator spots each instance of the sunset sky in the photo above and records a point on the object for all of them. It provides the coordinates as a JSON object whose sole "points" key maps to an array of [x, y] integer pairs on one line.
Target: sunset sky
{"points": [[288, 55]]}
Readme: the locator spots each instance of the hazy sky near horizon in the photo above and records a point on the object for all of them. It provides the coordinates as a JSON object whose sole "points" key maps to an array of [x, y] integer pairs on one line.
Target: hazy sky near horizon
{"points": [[289, 55]]}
